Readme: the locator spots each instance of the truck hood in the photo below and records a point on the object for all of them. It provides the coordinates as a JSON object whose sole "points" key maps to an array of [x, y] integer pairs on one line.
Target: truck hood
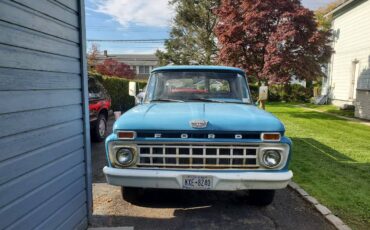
{"points": [[220, 117]]}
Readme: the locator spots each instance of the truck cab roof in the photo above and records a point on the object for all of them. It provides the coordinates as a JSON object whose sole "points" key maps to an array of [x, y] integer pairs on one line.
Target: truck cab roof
{"points": [[198, 68]]}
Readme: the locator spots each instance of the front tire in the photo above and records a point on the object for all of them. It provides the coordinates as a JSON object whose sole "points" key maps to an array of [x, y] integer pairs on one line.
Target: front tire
{"points": [[99, 131], [261, 197], [131, 195]]}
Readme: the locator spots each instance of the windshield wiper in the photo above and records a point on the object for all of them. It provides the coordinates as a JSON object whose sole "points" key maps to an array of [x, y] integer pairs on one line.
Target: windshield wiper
{"points": [[213, 100], [165, 100], [205, 100]]}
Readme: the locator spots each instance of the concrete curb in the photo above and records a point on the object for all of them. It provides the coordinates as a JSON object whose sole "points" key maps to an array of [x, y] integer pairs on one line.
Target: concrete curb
{"points": [[329, 216]]}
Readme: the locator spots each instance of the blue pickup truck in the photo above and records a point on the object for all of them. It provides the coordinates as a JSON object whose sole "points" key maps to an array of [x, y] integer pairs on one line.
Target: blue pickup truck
{"points": [[197, 128]]}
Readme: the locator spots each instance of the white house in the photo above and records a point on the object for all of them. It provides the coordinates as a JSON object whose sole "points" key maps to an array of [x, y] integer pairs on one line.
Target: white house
{"points": [[348, 79]]}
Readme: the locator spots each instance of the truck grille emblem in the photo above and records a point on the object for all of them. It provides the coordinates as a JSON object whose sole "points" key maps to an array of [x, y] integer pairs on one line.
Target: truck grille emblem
{"points": [[198, 124]]}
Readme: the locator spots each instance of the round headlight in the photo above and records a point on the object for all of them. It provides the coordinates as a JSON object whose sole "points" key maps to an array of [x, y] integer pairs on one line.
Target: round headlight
{"points": [[271, 158], [125, 156]]}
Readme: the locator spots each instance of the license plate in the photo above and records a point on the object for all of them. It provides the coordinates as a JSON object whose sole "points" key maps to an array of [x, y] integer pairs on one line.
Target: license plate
{"points": [[197, 182]]}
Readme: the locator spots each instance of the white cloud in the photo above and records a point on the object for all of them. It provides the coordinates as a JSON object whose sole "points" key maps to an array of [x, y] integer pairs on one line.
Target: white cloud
{"points": [[141, 12]]}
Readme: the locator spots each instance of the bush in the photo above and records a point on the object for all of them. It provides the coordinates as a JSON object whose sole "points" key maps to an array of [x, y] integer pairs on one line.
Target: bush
{"points": [[275, 93], [290, 93], [300, 93], [254, 91], [118, 90], [96, 75]]}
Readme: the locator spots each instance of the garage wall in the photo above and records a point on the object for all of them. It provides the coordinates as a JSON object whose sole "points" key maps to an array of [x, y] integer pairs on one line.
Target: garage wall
{"points": [[44, 153]]}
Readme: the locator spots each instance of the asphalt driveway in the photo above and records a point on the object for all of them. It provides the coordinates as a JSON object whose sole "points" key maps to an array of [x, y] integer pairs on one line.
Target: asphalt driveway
{"points": [[168, 209]]}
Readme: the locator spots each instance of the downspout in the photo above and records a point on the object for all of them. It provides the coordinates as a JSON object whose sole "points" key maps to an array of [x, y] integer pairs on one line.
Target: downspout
{"points": [[85, 107]]}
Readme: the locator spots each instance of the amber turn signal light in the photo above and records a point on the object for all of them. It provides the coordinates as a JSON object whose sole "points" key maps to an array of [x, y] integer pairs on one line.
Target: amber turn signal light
{"points": [[126, 135], [270, 136]]}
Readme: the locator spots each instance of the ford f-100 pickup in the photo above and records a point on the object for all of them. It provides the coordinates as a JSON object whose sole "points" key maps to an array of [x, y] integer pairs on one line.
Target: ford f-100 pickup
{"points": [[197, 128]]}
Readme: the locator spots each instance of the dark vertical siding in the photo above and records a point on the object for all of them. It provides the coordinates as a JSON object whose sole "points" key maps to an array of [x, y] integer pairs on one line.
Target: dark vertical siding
{"points": [[45, 178]]}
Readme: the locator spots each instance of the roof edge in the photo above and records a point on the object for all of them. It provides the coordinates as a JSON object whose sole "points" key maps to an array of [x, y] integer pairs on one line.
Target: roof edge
{"points": [[342, 6], [198, 67]]}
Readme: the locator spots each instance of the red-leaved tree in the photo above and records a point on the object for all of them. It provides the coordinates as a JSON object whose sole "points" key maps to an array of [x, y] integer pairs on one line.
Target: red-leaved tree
{"points": [[272, 40], [112, 67]]}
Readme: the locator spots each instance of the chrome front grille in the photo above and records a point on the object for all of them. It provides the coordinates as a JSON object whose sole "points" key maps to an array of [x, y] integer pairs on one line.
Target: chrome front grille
{"points": [[197, 156]]}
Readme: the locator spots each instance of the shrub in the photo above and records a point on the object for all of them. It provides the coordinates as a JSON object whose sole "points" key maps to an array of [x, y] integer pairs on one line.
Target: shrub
{"points": [[289, 93], [300, 93], [118, 90], [112, 67], [254, 91], [275, 93], [96, 75]]}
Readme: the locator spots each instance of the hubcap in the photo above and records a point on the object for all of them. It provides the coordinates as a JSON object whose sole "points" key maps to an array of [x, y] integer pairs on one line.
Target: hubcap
{"points": [[102, 128]]}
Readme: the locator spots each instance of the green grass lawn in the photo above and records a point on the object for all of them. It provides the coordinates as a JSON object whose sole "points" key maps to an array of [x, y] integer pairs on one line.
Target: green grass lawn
{"points": [[331, 161], [330, 109]]}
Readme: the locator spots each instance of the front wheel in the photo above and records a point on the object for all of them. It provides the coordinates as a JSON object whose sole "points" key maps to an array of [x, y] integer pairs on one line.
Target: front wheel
{"points": [[261, 197]]}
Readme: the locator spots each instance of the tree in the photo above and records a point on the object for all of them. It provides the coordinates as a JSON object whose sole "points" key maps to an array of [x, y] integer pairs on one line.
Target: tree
{"points": [[323, 21], [272, 40], [192, 40], [92, 56], [112, 67]]}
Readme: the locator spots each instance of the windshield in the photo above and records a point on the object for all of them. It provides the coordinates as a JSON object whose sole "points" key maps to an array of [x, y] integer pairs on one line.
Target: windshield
{"points": [[197, 86]]}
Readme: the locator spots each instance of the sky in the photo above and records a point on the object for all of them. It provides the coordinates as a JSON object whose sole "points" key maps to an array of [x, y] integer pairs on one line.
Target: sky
{"points": [[136, 20]]}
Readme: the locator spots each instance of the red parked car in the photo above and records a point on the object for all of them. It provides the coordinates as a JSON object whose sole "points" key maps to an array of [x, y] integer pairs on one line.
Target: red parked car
{"points": [[99, 105]]}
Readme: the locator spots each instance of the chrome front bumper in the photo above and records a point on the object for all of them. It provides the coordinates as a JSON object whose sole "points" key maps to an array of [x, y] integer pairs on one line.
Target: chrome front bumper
{"points": [[172, 179]]}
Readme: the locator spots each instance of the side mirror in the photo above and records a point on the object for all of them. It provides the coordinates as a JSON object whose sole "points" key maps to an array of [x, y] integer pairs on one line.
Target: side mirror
{"points": [[140, 98], [132, 89]]}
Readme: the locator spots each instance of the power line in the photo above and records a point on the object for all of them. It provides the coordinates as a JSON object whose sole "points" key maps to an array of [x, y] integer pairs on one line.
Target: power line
{"points": [[129, 40], [128, 29], [131, 32]]}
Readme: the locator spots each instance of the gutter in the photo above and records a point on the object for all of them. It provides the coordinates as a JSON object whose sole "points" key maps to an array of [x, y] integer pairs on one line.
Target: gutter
{"points": [[341, 6]]}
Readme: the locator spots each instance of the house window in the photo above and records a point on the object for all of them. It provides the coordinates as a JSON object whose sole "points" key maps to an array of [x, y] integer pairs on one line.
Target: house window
{"points": [[144, 69]]}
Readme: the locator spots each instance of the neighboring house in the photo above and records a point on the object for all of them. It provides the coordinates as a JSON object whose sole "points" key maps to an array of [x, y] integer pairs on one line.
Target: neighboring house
{"points": [[295, 81], [141, 64], [348, 79], [45, 168]]}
